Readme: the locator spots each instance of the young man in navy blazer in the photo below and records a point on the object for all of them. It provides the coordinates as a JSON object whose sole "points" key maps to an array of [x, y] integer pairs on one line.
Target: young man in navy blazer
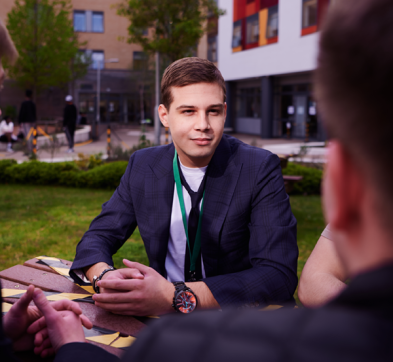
{"points": [[247, 232]]}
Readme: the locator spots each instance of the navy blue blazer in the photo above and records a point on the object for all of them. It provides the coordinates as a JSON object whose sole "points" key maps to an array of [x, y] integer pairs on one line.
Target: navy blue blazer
{"points": [[248, 236]]}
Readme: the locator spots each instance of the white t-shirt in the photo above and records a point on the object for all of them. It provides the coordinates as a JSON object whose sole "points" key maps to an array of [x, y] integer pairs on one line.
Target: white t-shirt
{"points": [[6, 128], [174, 262]]}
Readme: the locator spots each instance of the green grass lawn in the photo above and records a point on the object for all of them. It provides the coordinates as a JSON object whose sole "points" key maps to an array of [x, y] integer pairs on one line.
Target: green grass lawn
{"points": [[42, 220]]}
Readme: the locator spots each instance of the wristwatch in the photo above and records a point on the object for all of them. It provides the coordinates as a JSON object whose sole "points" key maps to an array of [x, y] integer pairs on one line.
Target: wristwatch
{"points": [[97, 279], [185, 300]]}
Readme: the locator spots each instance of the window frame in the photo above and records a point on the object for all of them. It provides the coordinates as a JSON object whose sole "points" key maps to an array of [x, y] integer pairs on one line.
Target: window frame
{"points": [[92, 21], [80, 12]]}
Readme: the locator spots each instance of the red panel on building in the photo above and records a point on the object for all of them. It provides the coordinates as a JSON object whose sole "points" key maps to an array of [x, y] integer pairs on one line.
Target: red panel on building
{"points": [[252, 45], [239, 9], [322, 9], [267, 3], [272, 40], [310, 30]]}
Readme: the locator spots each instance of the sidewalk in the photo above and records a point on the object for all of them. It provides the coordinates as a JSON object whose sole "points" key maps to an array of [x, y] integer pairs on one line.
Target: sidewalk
{"points": [[128, 137]]}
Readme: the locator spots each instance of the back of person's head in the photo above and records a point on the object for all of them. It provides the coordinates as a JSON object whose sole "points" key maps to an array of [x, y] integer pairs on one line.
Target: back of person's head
{"points": [[189, 71], [7, 118], [7, 47], [29, 93], [354, 88]]}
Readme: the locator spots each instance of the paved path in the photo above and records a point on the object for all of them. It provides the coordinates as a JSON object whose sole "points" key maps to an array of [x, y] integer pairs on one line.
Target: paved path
{"points": [[128, 137]]}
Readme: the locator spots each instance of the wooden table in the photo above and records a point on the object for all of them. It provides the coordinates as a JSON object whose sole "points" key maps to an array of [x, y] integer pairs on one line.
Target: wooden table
{"points": [[19, 277]]}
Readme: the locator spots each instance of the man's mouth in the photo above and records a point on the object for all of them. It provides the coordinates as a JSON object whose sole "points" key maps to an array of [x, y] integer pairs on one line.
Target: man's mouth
{"points": [[201, 141]]}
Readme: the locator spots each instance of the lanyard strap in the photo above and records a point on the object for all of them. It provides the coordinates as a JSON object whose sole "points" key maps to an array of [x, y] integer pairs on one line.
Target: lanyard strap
{"points": [[197, 244]]}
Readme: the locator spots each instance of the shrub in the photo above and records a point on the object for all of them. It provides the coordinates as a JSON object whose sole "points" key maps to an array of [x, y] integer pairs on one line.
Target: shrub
{"points": [[4, 164], [311, 183], [37, 173], [104, 177], [63, 173]]}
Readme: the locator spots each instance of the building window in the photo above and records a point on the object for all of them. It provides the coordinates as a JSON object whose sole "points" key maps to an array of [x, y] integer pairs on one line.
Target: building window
{"points": [[237, 34], [252, 28], [212, 48], [97, 59], [310, 13], [272, 23], [97, 22], [79, 21], [249, 103], [139, 61], [89, 21]]}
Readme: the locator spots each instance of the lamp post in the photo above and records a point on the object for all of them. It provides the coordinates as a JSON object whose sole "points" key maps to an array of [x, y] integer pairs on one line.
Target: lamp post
{"points": [[97, 121]]}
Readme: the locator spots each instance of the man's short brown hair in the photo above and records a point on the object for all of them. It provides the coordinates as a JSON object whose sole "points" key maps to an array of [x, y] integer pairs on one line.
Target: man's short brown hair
{"points": [[354, 87], [7, 47], [188, 71]]}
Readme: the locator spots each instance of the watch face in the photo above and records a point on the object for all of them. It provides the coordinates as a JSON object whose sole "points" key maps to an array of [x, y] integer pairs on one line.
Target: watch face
{"points": [[185, 302]]}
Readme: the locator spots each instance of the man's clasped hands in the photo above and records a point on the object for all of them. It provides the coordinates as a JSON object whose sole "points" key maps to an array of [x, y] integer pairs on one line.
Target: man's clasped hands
{"points": [[47, 326]]}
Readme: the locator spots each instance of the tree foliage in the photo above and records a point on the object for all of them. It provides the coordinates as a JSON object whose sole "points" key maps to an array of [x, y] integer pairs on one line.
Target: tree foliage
{"points": [[43, 34], [176, 25]]}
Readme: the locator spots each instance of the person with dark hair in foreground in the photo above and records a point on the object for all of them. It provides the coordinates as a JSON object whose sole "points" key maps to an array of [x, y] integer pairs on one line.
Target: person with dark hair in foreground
{"points": [[353, 87], [212, 212]]}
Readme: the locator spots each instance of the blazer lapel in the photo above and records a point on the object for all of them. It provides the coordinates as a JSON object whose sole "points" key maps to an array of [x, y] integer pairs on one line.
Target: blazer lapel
{"points": [[221, 182], [159, 197]]}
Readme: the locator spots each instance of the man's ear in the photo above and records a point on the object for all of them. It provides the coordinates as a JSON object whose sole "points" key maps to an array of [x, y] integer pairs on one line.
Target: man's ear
{"points": [[164, 115], [342, 189]]}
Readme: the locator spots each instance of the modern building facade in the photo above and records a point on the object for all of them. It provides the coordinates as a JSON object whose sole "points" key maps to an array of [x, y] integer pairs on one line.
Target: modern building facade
{"points": [[267, 53]]}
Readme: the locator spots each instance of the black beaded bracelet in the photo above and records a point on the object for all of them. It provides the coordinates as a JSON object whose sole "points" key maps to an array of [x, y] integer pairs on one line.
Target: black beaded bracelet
{"points": [[97, 279]]}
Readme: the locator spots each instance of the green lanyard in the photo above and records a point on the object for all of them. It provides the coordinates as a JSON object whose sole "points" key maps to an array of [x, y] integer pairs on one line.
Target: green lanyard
{"points": [[197, 244]]}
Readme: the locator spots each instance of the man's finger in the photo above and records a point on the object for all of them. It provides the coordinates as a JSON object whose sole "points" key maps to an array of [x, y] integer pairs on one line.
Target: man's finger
{"points": [[66, 304], [24, 301], [40, 337], [86, 322], [118, 308], [37, 326], [43, 304], [133, 264], [119, 284]]}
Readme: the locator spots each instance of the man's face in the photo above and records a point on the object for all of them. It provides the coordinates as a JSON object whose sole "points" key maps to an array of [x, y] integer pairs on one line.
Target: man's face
{"points": [[196, 118]]}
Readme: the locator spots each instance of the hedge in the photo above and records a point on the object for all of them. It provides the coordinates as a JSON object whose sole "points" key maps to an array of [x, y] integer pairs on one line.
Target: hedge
{"points": [[108, 175], [63, 173], [311, 183]]}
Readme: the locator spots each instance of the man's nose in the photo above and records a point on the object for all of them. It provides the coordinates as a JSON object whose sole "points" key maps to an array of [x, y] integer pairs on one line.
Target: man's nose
{"points": [[202, 123]]}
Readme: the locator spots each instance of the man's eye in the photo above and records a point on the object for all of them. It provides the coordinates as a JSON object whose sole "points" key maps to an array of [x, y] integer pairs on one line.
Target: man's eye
{"points": [[188, 112], [214, 112]]}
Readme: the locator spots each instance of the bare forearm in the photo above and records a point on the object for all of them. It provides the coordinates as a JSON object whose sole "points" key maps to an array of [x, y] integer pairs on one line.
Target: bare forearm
{"points": [[95, 269], [319, 290], [205, 297]]}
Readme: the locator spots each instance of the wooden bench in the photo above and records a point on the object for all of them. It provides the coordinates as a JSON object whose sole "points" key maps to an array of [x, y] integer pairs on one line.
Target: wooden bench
{"points": [[290, 181]]}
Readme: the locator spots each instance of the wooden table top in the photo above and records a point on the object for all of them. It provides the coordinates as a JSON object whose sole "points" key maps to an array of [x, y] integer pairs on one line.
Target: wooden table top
{"points": [[19, 277]]}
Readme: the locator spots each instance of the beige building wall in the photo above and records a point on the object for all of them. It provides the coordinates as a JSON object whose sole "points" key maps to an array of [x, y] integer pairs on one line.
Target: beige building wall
{"points": [[113, 41]]}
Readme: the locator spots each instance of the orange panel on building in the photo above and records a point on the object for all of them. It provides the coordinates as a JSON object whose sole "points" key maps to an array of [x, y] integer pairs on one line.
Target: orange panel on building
{"points": [[251, 9]]}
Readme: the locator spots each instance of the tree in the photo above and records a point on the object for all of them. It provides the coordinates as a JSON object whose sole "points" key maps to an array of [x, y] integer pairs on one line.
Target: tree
{"points": [[177, 25], [43, 34]]}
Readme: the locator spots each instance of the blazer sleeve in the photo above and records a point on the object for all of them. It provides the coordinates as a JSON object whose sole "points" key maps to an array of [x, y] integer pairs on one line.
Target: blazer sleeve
{"points": [[81, 352], [109, 230], [273, 251]]}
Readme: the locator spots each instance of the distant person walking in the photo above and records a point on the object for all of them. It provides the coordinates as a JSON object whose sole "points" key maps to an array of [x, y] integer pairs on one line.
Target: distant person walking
{"points": [[27, 116], [69, 122]]}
